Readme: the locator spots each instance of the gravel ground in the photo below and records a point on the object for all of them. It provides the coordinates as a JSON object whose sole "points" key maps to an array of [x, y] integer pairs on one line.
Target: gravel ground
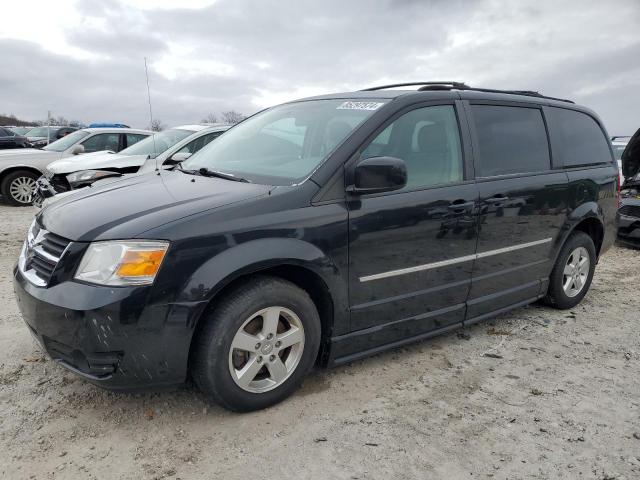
{"points": [[557, 398]]}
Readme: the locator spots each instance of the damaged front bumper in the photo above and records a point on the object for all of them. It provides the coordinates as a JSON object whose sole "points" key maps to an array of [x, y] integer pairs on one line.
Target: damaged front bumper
{"points": [[112, 337]]}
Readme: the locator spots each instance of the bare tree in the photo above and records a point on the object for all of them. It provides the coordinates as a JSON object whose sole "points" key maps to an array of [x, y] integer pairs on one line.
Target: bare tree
{"points": [[156, 125], [232, 117], [211, 118]]}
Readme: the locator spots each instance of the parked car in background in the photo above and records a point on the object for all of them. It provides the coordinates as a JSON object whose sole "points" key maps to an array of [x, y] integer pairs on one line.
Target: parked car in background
{"points": [[20, 130], [10, 139], [162, 149], [108, 125], [628, 218], [318, 232], [20, 168], [42, 136]]}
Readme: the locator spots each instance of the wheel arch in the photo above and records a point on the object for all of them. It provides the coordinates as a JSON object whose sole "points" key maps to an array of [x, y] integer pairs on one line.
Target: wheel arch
{"points": [[299, 262], [17, 168], [593, 227], [586, 218]]}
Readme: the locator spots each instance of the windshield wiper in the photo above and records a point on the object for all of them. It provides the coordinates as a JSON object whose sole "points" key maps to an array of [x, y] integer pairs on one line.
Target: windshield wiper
{"points": [[206, 172]]}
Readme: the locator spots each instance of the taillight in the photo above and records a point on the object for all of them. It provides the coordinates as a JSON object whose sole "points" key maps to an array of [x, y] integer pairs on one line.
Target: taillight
{"points": [[619, 188]]}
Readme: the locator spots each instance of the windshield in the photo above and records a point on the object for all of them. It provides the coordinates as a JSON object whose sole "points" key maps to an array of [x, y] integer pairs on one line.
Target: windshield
{"points": [[284, 144], [65, 142], [21, 130], [42, 132], [157, 143]]}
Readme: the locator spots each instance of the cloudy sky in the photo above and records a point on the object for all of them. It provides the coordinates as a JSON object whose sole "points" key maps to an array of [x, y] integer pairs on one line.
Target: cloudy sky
{"points": [[84, 59]]}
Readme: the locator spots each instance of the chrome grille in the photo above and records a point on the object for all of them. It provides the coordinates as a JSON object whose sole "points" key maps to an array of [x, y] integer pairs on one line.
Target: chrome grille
{"points": [[40, 255]]}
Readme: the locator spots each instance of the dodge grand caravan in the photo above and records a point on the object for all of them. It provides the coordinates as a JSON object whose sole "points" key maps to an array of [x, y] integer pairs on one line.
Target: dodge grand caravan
{"points": [[321, 231]]}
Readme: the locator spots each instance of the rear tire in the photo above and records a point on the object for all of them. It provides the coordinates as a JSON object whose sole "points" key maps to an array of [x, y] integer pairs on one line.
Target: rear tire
{"points": [[572, 273], [15, 185], [257, 345]]}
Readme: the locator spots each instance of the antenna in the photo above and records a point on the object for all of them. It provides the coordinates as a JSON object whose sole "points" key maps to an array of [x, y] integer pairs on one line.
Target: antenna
{"points": [[153, 135]]}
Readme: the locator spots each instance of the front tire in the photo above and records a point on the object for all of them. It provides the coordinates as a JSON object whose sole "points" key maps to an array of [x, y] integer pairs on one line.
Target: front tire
{"points": [[17, 188], [572, 273], [257, 345]]}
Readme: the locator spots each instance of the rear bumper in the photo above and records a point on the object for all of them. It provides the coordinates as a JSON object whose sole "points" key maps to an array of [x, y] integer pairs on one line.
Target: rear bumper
{"points": [[112, 337]]}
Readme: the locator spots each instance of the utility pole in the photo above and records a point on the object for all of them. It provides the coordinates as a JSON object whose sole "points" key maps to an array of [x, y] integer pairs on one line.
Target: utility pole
{"points": [[48, 125]]}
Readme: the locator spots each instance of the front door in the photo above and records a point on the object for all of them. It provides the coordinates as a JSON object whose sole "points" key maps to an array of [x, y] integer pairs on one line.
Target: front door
{"points": [[523, 205], [411, 251]]}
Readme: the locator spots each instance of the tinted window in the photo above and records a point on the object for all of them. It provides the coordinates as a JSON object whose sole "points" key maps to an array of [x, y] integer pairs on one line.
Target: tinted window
{"points": [[578, 139], [102, 141], [428, 140], [510, 140]]}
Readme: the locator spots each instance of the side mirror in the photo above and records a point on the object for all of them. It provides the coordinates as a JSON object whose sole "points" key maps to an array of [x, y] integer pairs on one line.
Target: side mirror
{"points": [[378, 174], [178, 157], [77, 149]]}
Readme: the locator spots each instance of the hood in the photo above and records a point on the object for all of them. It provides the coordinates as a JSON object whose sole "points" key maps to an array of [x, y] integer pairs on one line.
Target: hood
{"points": [[19, 151], [98, 161], [631, 157], [27, 156], [133, 205]]}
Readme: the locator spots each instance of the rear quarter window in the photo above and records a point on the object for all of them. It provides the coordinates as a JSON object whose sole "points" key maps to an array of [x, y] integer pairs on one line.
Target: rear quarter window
{"points": [[576, 138], [510, 140]]}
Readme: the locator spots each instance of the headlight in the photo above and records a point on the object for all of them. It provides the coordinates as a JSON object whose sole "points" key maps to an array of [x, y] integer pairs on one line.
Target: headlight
{"points": [[121, 263], [89, 176]]}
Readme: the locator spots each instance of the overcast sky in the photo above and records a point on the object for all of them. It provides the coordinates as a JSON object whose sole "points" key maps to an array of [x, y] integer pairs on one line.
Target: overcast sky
{"points": [[84, 59]]}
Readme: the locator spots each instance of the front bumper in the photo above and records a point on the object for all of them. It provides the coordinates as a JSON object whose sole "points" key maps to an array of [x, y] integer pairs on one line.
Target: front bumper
{"points": [[43, 190], [118, 338]]}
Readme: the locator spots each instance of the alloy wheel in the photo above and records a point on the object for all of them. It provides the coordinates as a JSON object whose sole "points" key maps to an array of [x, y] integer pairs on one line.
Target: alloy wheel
{"points": [[266, 349], [576, 272], [22, 188]]}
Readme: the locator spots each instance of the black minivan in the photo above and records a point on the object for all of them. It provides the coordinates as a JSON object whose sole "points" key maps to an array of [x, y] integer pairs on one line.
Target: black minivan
{"points": [[318, 232]]}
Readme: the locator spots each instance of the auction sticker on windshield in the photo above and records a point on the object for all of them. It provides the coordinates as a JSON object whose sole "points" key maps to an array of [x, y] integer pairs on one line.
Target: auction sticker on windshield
{"points": [[360, 105]]}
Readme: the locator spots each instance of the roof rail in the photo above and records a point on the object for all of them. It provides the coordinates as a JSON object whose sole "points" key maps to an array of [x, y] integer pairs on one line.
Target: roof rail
{"points": [[437, 85], [424, 86]]}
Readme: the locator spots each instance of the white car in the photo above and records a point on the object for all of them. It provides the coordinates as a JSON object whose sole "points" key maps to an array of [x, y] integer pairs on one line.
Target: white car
{"points": [[20, 168], [162, 149]]}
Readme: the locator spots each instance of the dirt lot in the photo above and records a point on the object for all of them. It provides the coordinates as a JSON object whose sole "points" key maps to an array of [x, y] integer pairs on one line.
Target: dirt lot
{"points": [[560, 401]]}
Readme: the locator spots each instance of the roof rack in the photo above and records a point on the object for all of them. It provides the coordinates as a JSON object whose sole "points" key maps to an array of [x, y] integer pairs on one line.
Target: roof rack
{"points": [[425, 86]]}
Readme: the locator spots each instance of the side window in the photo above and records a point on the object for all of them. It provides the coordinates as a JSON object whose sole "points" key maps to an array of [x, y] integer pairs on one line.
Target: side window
{"points": [[102, 141], [428, 140], [198, 143], [577, 138], [133, 138], [510, 140]]}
